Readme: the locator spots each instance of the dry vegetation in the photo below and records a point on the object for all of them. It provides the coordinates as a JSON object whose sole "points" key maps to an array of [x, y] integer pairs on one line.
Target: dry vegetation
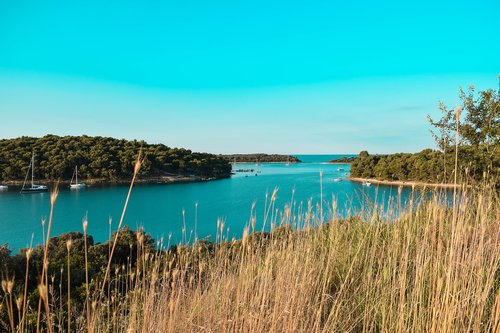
{"points": [[435, 268]]}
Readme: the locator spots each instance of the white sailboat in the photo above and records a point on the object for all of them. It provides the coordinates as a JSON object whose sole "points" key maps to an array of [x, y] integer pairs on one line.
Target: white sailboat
{"points": [[34, 188], [76, 184], [3, 188]]}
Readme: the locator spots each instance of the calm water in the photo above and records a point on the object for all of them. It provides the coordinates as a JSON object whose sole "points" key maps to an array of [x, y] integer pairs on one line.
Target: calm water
{"points": [[159, 207]]}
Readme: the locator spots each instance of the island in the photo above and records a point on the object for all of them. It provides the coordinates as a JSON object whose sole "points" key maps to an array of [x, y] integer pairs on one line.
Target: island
{"points": [[343, 160], [261, 158], [104, 160]]}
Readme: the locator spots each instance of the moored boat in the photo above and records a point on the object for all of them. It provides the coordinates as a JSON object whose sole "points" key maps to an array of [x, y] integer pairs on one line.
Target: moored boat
{"points": [[76, 185], [34, 188]]}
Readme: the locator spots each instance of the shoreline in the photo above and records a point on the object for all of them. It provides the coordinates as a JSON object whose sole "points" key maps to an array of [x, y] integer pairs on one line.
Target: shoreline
{"points": [[172, 179], [407, 183]]}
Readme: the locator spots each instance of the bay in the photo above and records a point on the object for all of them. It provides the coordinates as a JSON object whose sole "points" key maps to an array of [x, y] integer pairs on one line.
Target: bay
{"points": [[159, 208]]}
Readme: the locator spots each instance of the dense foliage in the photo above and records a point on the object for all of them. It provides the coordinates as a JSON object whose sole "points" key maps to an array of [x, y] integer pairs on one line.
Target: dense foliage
{"points": [[130, 247], [126, 253], [261, 158], [427, 166], [474, 130], [101, 158]]}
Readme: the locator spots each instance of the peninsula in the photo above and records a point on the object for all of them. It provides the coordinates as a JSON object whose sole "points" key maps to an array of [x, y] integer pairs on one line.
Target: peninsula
{"points": [[261, 158], [343, 160], [105, 160]]}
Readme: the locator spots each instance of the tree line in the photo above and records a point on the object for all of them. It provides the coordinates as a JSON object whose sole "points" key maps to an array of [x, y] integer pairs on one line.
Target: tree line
{"points": [[472, 132], [101, 158]]}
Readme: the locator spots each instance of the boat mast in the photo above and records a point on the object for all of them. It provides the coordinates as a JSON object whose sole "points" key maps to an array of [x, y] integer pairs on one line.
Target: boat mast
{"points": [[76, 174], [26, 177], [32, 169]]}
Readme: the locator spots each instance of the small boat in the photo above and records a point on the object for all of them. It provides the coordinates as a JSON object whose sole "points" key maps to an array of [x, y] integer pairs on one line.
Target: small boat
{"points": [[3, 188], [76, 184], [337, 180], [367, 183], [34, 187], [340, 169]]}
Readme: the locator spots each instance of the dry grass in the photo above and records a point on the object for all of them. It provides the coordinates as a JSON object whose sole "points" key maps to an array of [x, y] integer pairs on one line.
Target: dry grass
{"points": [[435, 268], [426, 272]]}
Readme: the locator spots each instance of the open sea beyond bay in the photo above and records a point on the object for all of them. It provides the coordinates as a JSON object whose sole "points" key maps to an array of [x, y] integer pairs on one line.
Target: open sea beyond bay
{"points": [[159, 207]]}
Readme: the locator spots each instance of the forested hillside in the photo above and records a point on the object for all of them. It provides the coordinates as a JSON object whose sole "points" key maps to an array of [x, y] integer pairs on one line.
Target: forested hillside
{"points": [[102, 158], [472, 130]]}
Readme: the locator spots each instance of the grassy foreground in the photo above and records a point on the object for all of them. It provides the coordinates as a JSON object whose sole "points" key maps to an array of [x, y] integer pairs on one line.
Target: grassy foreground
{"points": [[437, 270], [432, 269]]}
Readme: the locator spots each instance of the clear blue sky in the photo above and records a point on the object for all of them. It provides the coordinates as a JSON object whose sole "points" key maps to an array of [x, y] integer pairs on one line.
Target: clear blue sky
{"points": [[234, 76]]}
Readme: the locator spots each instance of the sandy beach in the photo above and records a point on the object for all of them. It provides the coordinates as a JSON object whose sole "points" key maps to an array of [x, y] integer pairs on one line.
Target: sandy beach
{"points": [[408, 183]]}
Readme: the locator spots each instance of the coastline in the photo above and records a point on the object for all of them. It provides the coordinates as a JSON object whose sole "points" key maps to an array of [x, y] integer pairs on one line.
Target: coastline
{"points": [[171, 179], [407, 183]]}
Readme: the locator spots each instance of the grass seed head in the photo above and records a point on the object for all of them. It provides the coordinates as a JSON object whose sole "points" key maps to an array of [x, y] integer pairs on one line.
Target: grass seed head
{"points": [[29, 252], [53, 196]]}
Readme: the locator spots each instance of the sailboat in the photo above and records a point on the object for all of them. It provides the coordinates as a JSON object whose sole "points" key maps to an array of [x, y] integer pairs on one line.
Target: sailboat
{"points": [[76, 184], [288, 161], [3, 188], [34, 187]]}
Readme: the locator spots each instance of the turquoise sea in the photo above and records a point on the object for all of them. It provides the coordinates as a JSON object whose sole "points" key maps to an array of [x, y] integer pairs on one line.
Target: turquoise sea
{"points": [[159, 208]]}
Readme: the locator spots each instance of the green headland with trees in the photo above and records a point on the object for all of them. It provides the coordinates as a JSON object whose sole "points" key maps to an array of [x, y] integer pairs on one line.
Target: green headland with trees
{"points": [[102, 158], [473, 136]]}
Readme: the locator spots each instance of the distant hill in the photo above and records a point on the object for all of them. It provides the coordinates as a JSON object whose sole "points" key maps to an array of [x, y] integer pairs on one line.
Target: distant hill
{"points": [[261, 158], [102, 158], [344, 159]]}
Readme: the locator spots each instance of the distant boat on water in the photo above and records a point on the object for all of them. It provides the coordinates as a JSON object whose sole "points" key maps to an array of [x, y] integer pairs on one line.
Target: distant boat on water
{"points": [[76, 184], [340, 169], [337, 180], [34, 188], [367, 183], [3, 188]]}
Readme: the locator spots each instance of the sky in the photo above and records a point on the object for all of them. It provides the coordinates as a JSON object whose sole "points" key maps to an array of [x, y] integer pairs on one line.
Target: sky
{"points": [[317, 77]]}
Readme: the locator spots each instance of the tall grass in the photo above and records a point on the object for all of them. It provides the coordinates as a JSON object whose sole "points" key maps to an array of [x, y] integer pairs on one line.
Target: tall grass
{"points": [[426, 271], [431, 268]]}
